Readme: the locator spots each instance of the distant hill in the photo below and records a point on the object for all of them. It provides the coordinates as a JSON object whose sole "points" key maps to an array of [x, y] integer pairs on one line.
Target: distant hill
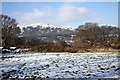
{"points": [[47, 32]]}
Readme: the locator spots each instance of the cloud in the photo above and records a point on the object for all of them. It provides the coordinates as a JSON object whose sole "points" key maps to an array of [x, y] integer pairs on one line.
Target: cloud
{"points": [[70, 13], [42, 15], [29, 17], [65, 14]]}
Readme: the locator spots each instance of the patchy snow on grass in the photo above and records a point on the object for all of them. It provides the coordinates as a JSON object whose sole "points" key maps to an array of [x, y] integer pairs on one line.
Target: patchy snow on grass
{"points": [[60, 65]]}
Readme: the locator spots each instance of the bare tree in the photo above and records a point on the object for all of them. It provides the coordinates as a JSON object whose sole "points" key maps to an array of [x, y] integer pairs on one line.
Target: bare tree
{"points": [[9, 30]]}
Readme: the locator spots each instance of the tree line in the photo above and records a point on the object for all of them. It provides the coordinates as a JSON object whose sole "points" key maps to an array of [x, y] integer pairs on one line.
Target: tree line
{"points": [[87, 36], [91, 35]]}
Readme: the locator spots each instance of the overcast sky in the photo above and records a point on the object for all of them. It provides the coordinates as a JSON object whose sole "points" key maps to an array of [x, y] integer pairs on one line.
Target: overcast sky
{"points": [[62, 13]]}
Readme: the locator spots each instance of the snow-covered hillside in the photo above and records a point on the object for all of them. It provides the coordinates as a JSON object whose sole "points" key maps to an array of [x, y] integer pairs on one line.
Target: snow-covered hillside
{"points": [[49, 25]]}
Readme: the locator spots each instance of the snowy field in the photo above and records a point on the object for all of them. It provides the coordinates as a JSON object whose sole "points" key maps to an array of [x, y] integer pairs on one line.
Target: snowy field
{"points": [[60, 65]]}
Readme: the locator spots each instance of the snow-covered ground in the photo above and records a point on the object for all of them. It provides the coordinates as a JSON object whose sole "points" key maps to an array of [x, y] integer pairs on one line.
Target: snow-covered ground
{"points": [[60, 65]]}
